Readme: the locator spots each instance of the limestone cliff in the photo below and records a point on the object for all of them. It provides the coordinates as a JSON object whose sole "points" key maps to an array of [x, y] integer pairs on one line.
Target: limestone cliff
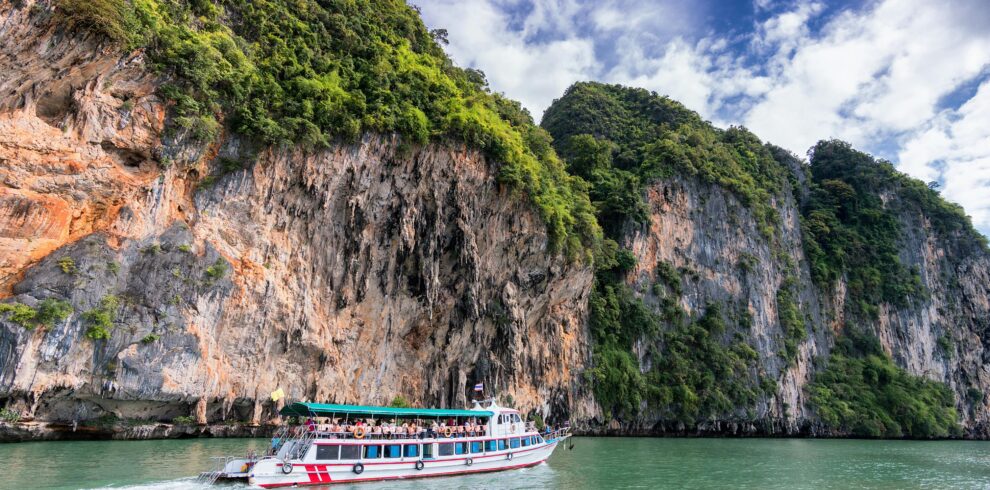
{"points": [[203, 274], [732, 243], [704, 230], [354, 273]]}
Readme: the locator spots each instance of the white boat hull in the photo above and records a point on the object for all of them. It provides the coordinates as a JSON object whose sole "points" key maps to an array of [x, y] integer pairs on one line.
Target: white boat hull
{"points": [[268, 472], [306, 455]]}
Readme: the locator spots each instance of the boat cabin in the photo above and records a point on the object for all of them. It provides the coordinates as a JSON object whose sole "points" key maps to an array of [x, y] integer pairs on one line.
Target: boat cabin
{"points": [[350, 443], [355, 433]]}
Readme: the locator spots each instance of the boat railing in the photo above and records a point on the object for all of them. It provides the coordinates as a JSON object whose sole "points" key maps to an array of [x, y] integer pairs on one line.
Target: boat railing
{"points": [[428, 434], [219, 466], [557, 434], [302, 445], [303, 436], [278, 439]]}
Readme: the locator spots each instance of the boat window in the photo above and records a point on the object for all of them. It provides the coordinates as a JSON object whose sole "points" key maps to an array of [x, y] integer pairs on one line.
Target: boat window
{"points": [[327, 452], [410, 450], [501, 444], [514, 442], [475, 446], [372, 452], [525, 441], [393, 451], [459, 447], [500, 418], [490, 445], [350, 451], [446, 449], [427, 450], [540, 438]]}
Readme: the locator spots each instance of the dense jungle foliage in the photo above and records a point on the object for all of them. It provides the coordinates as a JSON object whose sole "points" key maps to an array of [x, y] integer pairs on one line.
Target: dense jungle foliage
{"points": [[863, 393], [619, 140], [851, 225], [311, 72], [307, 72]]}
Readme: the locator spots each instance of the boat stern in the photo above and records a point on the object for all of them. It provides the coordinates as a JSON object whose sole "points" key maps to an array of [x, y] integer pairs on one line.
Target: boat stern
{"points": [[228, 469]]}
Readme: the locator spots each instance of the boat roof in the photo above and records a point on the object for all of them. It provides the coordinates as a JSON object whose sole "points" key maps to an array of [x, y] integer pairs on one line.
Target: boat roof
{"points": [[301, 409]]}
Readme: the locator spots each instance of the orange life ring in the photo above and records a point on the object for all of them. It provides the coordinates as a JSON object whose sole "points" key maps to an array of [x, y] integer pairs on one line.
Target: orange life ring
{"points": [[359, 432], [448, 431]]}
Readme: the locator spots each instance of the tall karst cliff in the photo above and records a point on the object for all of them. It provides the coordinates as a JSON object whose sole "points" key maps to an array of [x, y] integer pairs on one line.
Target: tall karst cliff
{"points": [[204, 202], [756, 294], [150, 274]]}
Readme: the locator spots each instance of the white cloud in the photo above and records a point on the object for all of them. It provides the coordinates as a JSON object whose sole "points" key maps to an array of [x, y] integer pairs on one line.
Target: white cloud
{"points": [[956, 147], [876, 77], [533, 72], [784, 30], [872, 76]]}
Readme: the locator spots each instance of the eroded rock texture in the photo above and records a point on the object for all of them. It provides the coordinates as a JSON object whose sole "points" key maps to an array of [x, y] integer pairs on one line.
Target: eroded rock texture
{"points": [[369, 270], [721, 255], [352, 274]]}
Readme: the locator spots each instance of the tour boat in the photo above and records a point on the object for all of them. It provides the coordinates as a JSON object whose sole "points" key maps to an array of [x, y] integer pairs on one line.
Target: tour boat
{"points": [[443, 443]]}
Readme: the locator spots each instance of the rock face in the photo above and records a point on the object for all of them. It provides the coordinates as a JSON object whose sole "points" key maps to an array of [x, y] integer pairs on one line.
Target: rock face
{"points": [[712, 238], [373, 269], [945, 336], [705, 232], [356, 273]]}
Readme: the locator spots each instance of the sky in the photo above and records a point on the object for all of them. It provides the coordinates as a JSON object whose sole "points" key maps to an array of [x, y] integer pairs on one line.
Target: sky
{"points": [[905, 80]]}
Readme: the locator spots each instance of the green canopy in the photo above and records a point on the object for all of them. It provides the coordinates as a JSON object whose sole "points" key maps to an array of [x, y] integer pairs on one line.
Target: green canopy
{"points": [[299, 409]]}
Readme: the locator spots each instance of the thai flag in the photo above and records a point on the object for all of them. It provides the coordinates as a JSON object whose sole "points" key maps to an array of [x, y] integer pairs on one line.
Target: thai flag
{"points": [[479, 387]]}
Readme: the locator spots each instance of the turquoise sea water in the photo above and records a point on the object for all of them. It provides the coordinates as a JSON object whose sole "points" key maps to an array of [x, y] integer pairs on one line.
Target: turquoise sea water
{"points": [[593, 463]]}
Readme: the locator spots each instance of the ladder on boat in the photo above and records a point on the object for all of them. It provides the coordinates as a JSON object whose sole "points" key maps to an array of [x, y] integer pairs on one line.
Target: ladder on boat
{"points": [[219, 466], [302, 445]]}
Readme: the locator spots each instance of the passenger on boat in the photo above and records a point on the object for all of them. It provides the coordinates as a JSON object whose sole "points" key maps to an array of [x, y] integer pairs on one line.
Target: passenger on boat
{"points": [[434, 429]]}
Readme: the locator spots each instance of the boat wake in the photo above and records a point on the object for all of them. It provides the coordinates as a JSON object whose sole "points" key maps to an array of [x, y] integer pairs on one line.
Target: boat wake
{"points": [[177, 484]]}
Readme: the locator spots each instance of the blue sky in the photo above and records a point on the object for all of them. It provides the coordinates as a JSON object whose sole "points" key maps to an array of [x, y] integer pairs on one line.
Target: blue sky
{"points": [[907, 80]]}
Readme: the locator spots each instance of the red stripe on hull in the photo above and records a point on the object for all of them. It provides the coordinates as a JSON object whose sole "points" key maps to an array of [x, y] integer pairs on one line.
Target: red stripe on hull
{"points": [[450, 473], [479, 457]]}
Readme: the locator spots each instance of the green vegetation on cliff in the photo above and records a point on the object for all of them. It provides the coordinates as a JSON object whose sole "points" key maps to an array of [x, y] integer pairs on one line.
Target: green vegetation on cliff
{"points": [[100, 319], [619, 140], [307, 71], [695, 373], [863, 393], [48, 312], [852, 225]]}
